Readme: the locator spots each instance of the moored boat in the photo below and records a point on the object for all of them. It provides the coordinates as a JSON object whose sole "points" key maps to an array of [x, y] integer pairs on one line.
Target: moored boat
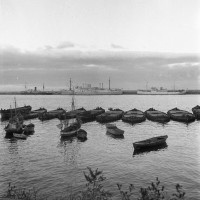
{"points": [[181, 115], [157, 116], [110, 116], [6, 114], [51, 114], [112, 129], [29, 128], [90, 115], [72, 114], [196, 112], [133, 116], [81, 134], [151, 142]]}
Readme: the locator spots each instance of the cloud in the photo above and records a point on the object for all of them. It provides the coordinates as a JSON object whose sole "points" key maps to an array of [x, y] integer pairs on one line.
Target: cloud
{"points": [[126, 69]]}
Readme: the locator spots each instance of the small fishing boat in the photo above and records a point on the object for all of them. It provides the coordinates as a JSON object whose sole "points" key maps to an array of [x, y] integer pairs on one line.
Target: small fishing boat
{"points": [[151, 142], [196, 112], [157, 116], [110, 116], [181, 115], [112, 129], [20, 135], [82, 134], [133, 116], [70, 127]]}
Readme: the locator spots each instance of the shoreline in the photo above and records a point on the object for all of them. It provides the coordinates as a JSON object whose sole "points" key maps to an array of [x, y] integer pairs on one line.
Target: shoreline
{"points": [[124, 92]]}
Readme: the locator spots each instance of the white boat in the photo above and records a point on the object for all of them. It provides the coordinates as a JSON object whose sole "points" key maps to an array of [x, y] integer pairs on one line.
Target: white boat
{"points": [[161, 91], [20, 135], [112, 129]]}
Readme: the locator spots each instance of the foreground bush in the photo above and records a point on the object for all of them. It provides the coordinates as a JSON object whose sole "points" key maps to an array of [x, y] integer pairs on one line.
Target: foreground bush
{"points": [[94, 190]]}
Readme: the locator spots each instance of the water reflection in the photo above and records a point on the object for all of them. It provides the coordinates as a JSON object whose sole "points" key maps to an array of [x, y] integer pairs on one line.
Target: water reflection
{"points": [[148, 150]]}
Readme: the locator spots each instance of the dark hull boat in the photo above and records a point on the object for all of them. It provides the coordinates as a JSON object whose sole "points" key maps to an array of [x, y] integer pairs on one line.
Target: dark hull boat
{"points": [[91, 115], [110, 116], [133, 116], [35, 113], [181, 115], [196, 112], [151, 142], [6, 114], [72, 114], [51, 114], [157, 116], [82, 134]]}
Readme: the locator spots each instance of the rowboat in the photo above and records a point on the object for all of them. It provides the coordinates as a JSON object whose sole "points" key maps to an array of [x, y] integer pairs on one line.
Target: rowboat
{"points": [[82, 134], [157, 116], [196, 112], [151, 142], [133, 116], [181, 115], [112, 129]]}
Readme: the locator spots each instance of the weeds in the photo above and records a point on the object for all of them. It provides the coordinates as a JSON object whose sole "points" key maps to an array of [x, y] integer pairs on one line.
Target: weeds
{"points": [[94, 190]]}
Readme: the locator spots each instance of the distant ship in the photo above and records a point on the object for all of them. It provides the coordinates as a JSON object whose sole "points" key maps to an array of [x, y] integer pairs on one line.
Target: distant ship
{"points": [[87, 89], [161, 91], [35, 92]]}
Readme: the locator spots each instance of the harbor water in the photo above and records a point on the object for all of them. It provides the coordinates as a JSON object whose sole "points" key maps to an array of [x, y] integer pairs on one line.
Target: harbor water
{"points": [[55, 166]]}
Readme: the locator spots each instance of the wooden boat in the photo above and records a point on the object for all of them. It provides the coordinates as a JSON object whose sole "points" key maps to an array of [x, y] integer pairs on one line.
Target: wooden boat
{"points": [[72, 114], [15, 125], [133, 116], [82, 134], [90, 115], [51, 114], [196, 112], [70, 127], [6, 114], [110, 116], [35, 113], [157, 116], [28, 129], [20, 135], [151, 142], [112, 129], [181, 115]]}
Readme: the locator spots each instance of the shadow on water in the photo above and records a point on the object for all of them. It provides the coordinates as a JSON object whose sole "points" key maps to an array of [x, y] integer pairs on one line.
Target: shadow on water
{"points": [[64, 139], [115, 136], [150, 149]]}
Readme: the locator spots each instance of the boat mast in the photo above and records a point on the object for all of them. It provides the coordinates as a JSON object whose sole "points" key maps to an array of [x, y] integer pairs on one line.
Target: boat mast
{"points": [[70, 84], [43, 87], [15, 104]]}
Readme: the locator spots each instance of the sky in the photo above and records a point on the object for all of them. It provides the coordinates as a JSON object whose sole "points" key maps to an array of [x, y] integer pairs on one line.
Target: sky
{"points": [[134, 42]]}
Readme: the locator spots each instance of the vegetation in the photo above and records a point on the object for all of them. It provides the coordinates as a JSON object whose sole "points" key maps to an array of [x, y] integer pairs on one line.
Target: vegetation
{"points": [[94, 190]]}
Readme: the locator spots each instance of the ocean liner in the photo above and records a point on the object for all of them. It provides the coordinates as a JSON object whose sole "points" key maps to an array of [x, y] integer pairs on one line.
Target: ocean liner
{"points": [[161, 91]]}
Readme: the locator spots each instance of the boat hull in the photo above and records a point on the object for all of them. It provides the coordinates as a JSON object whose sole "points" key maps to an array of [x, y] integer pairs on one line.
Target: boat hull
{"points": [[19, 135], [69, 133], [151, 142], [150, 92]]}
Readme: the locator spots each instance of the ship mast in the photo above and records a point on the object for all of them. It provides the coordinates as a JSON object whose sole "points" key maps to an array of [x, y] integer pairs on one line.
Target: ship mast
{"points": [[70, 84], [109, 83]]}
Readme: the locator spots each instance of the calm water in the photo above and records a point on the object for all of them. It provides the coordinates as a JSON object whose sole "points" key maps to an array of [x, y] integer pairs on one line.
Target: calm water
{"points": [[56, 166]]}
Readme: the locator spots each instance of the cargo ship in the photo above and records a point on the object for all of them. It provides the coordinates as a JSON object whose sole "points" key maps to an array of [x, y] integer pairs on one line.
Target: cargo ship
{"points": [[161, 91]]}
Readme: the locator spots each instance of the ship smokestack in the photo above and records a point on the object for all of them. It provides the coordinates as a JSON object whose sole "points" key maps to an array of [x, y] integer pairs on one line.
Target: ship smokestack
{"points": [[70, 84]]}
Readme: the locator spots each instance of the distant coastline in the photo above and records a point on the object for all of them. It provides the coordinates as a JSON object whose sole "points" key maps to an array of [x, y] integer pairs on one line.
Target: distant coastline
{"points": [[124, 92]]}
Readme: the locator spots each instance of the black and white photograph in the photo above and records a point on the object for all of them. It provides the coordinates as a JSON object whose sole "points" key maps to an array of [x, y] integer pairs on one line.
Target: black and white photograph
{"points": [[100, 99]]}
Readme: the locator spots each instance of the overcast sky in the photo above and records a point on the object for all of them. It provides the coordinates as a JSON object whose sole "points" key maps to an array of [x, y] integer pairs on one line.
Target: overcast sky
{"points": [[131, 41]]}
